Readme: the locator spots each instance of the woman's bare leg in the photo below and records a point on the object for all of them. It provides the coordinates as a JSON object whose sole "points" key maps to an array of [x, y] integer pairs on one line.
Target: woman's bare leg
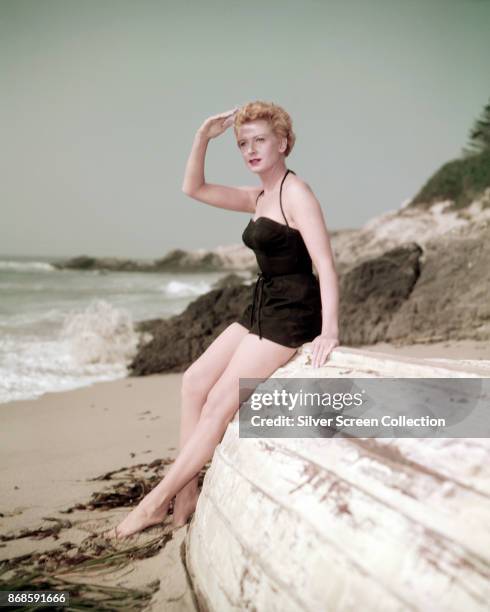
{"points": [[197, 381], [253, 358]]}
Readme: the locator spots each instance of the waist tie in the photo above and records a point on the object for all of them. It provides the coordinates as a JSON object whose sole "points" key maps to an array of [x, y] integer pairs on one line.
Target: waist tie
{"points": [[258, 289], [257, 297]]}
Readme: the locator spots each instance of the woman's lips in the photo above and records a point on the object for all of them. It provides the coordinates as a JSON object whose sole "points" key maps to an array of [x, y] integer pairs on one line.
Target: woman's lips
{"points": [[254, 162]]}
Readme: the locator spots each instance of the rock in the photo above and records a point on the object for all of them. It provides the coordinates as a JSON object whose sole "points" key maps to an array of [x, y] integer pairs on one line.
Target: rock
{"points": [[83, 262], [451, 297], [408, 224], [372, 292], [113, 264], [230, 280], [180, 340], [233, 257], [178, 260]]}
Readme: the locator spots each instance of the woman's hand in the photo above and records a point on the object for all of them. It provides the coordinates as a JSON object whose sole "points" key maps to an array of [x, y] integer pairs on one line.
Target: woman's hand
{"points": [[322, 345], [217, 124]]}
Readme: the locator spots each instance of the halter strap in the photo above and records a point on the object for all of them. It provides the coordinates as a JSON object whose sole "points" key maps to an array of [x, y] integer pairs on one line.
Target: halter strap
{"points": [[280, 195]]}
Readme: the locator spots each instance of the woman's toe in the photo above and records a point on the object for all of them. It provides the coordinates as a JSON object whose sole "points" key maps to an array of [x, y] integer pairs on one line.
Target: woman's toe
{"points": [[112, 534]]}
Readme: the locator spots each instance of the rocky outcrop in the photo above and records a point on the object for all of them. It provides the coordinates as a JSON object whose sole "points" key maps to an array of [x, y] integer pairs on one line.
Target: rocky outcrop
{"points": [[451, 299], [230, 280], [373, 292], [233, 257], [112, 264], [307, 524], [407, 224], [433, 290], [178, 341]]}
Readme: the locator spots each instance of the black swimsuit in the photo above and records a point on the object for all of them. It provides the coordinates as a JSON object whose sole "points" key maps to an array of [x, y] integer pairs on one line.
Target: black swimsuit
{"points": [[286, 306]]}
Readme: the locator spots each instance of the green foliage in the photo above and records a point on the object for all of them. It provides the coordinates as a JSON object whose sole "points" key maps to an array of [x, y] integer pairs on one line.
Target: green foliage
{"points": [[480, 134], [465, 179], [460, 180]]}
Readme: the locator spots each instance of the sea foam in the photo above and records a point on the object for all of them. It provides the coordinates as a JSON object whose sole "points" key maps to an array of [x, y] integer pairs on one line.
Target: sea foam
{"points": [[100, 334], [27, 266], [176, 288]]}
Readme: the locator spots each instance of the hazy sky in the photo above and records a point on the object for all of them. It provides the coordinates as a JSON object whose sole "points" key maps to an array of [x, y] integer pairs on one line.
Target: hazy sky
{"points": [[100, 100]]}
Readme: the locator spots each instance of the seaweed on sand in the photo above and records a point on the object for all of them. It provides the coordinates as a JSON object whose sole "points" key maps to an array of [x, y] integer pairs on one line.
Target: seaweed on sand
{"points": [[130, 486], [39, 533], [94, 556], [71, 567]]}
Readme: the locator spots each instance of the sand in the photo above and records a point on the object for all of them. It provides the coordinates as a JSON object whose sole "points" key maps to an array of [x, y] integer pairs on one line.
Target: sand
{"points": [[52, 446]]}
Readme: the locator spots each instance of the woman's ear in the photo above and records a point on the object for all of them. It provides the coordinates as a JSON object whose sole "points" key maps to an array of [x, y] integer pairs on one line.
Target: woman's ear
{"points": [[284, 145]]}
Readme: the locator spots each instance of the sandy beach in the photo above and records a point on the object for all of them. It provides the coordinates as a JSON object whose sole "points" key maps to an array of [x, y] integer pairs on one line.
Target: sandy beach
{"points": [[53, 448]]}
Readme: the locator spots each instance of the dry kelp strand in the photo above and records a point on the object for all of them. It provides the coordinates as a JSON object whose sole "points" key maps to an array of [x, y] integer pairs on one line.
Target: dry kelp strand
{"points": [[48, 570], [91, 553], [130, 487], [40, 533]]}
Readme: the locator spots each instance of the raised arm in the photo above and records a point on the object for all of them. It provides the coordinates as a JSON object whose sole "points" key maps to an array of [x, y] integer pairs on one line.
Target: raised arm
{"points": [[195, 186]]}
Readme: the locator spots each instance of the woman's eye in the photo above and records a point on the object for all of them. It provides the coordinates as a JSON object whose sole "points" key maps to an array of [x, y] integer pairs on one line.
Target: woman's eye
{"points": [[261, 139]]}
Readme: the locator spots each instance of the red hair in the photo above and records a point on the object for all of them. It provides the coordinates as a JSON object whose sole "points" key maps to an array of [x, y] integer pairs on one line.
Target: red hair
{"points": [[275, 115]]}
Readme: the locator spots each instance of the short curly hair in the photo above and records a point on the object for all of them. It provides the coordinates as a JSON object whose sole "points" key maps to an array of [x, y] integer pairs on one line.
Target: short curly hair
{"points": [[278, 118]]}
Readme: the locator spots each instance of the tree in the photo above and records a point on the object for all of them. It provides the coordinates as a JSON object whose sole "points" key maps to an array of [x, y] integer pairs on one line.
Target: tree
{"points": [[479, 139]]}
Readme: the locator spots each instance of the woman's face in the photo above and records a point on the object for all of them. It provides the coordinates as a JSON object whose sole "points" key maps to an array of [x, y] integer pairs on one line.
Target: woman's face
{"points": [[258, 144]]}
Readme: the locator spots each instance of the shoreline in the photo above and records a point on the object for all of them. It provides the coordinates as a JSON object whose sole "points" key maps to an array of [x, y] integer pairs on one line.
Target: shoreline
{"points": [[448, 349]]}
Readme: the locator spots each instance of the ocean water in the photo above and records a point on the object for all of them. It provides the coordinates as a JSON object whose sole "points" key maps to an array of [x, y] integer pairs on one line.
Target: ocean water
{"points": [[62, 329]]}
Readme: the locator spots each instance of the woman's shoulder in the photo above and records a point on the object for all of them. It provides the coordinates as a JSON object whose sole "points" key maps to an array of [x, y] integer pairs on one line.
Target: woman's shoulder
{"points": [[296, 186], [299, 198]]}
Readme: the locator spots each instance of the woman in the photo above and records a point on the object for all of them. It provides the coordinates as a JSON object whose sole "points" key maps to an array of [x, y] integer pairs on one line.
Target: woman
{"points": [[290, 306]]}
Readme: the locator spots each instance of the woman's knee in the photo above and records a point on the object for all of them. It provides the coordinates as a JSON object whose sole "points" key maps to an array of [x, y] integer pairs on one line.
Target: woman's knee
{"points": [[219, 406], [195, 382]]}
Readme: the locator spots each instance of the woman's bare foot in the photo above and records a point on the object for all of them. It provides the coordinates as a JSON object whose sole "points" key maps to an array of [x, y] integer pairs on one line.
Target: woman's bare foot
{"points": [[143, 516], [184, 505]]}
